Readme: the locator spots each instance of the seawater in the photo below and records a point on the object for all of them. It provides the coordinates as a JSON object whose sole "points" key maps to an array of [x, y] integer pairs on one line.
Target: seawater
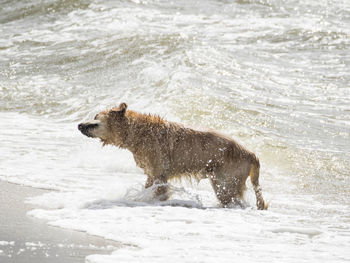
{"points": [[272, 74]]}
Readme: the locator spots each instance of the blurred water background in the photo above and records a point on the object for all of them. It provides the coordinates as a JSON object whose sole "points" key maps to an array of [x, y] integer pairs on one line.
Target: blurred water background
{"points": [[272, 74]]}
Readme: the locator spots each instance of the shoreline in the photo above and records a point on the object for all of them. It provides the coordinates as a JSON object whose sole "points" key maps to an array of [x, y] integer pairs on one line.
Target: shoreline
{"points": [[30, 240]]}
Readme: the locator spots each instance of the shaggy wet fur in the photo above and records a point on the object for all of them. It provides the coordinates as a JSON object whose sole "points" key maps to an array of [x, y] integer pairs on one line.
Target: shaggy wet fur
{"points": [[167, 150]]}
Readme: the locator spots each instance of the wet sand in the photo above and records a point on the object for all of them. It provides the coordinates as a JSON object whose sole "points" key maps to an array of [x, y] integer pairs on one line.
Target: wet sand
{"points": [[30, 240]]}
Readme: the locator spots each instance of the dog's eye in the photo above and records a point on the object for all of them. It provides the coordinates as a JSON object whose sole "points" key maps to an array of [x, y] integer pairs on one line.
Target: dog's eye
{"points": [[96, 117]]}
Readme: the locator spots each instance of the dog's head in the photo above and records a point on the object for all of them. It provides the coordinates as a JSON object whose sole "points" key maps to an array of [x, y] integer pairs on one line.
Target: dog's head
{"points": [[107, 125]]}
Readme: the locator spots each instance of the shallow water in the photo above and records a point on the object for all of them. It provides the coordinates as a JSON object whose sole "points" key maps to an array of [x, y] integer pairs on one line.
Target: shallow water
{"points": [[272, 74]]}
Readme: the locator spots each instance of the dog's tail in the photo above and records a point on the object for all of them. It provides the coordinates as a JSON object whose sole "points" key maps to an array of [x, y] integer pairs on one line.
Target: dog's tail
{"points": [[254, 177]]}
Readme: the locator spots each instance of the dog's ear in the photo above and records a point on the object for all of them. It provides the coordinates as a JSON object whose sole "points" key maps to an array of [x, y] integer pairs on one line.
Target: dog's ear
{"points": [[122, 107], [118, 112]]}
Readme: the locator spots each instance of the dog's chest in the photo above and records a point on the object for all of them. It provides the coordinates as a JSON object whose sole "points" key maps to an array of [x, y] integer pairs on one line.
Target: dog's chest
{"points": [[143, 162]]}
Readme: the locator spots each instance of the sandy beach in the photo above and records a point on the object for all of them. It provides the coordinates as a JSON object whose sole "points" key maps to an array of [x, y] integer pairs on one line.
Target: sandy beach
{"points": [[27, 239]]}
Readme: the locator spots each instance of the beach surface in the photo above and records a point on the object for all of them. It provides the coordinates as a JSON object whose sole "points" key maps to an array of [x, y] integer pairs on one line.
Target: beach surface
{"points": [[30, 240]]}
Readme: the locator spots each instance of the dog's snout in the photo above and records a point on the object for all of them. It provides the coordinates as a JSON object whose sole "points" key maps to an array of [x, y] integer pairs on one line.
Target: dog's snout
{"points": [[87, 128]]}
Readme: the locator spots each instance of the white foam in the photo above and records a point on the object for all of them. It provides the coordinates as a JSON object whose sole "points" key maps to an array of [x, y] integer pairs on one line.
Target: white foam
{"points": [[7, 243], [304, 231]]}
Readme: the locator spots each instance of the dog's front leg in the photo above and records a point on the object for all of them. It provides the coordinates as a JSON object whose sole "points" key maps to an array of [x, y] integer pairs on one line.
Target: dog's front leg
{"points": [[160, 186]]}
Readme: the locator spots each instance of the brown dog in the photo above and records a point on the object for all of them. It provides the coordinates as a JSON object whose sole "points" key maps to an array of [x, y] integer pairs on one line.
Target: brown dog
{"points": [[166, 150]]}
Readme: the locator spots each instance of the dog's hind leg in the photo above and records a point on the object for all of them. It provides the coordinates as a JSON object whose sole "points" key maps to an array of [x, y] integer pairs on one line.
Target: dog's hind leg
{"points": [[227, 190]]}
